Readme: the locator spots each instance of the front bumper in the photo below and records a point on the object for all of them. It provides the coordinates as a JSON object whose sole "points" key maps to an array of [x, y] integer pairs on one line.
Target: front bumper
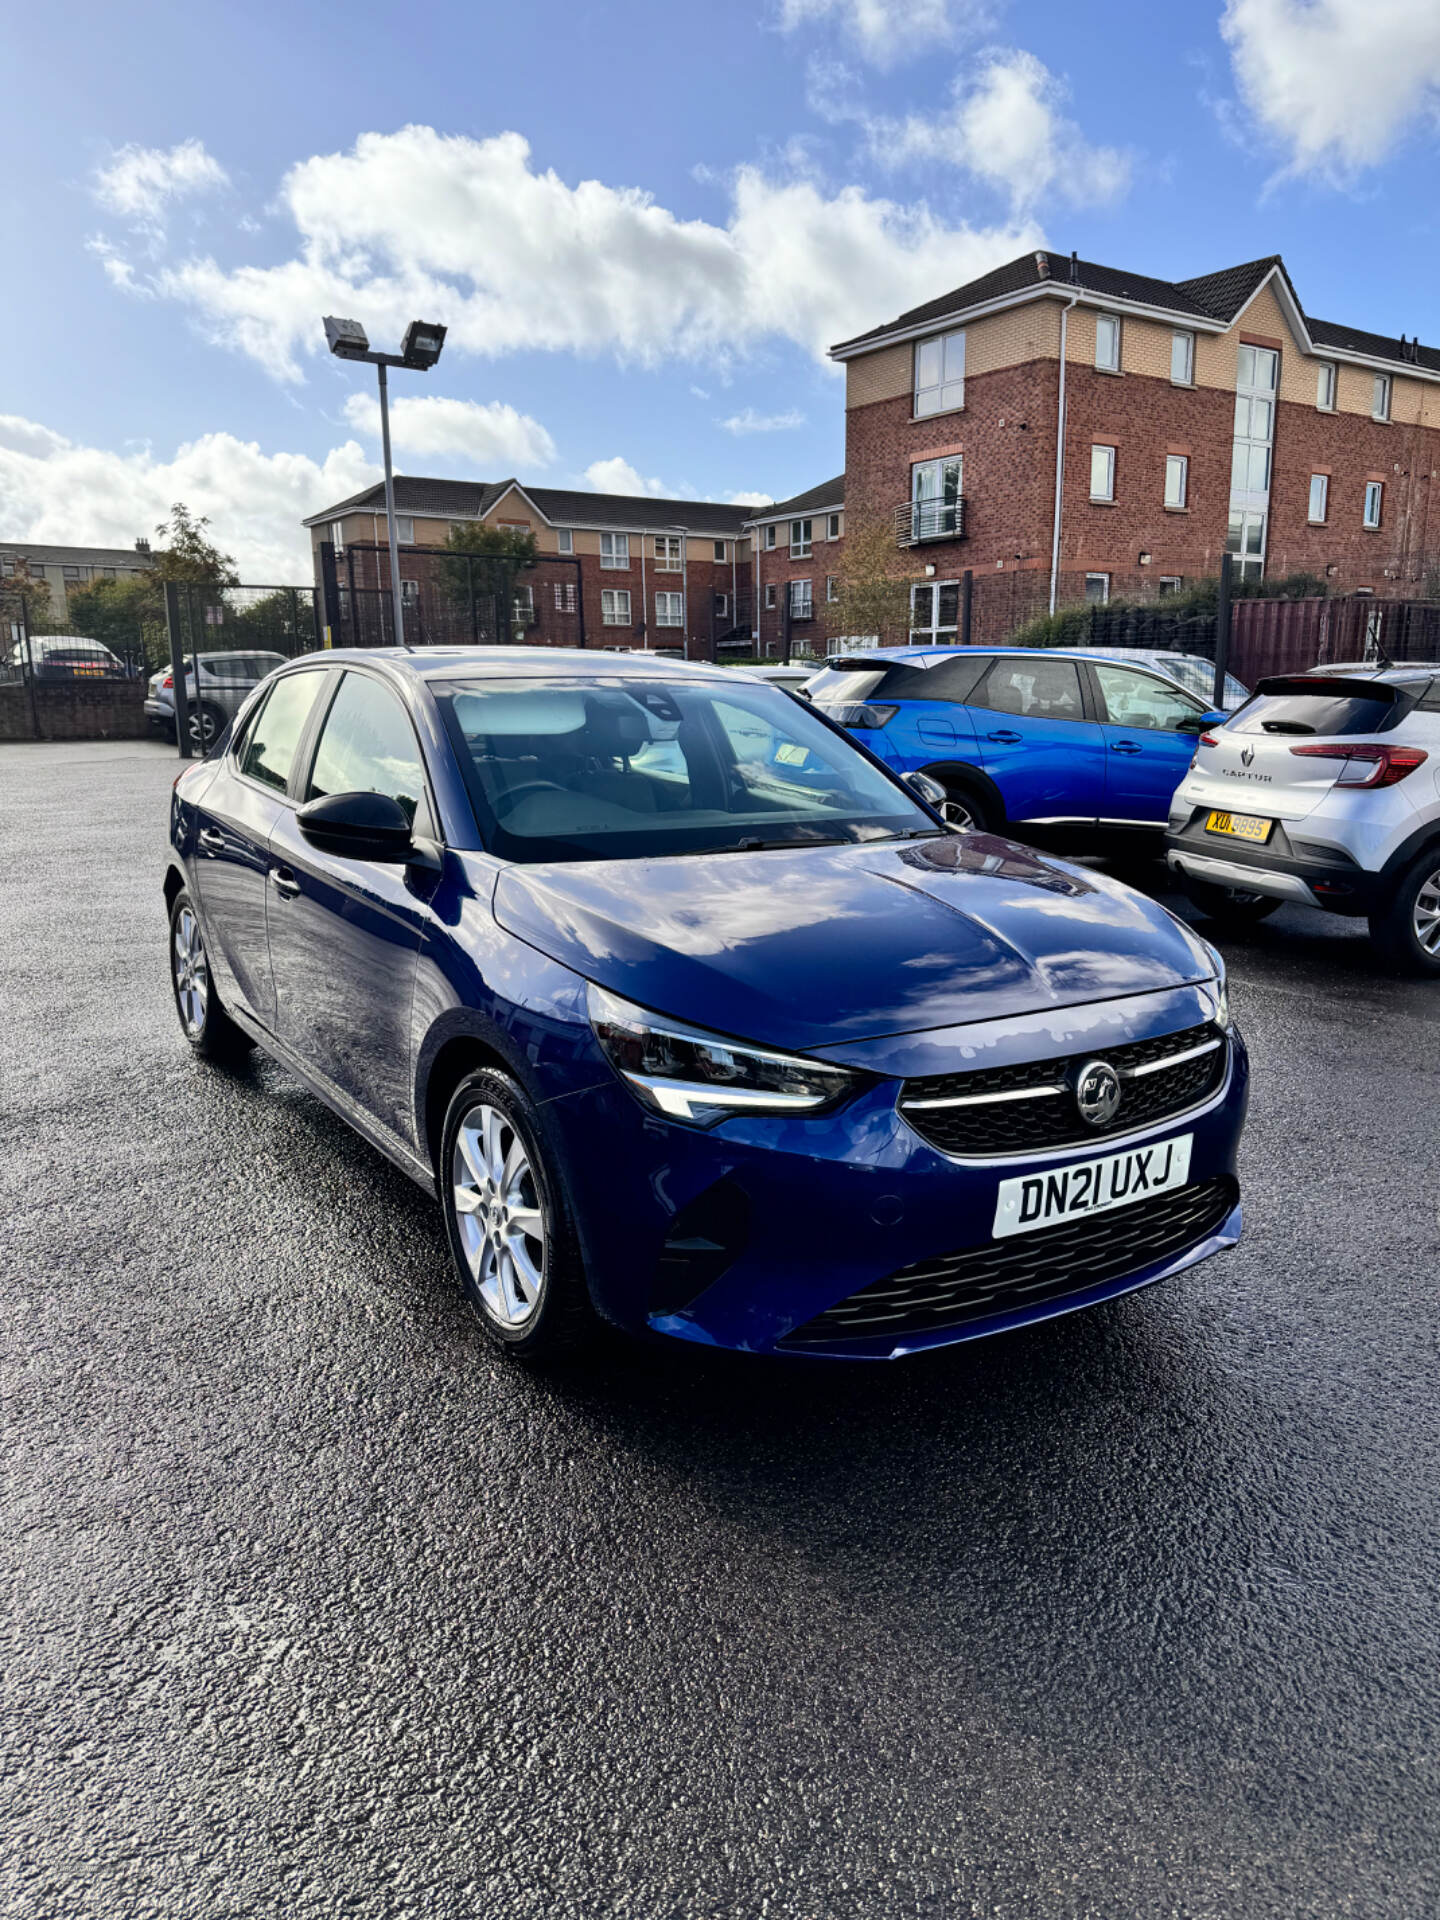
{"points": [[740, 1236], [1327, 878]]}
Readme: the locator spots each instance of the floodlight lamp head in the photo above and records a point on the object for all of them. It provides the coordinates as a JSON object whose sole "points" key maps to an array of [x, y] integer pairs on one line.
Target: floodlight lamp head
{"points": [[421, 346], [347, 338]]}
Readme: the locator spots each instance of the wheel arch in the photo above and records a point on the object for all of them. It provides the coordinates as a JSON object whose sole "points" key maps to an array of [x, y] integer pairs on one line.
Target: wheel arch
{"points": [[459, 1046], [961, 773]]}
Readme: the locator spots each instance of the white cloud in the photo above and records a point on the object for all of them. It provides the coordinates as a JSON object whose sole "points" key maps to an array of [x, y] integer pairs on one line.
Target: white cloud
{"points": [[468, 232], [490, 434], [1337, 82], [744, 499], [749, 421], [1006, 126], [889, 31], [140, 182], [618, 476], [54, 492]]}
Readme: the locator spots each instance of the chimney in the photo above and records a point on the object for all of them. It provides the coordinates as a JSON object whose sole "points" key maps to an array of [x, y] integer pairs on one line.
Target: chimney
{"points": [[142, 546], [1074, 268]]}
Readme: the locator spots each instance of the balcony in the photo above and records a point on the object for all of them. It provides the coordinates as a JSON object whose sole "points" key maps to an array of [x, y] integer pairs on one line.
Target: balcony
{"points": [[921, 520]]}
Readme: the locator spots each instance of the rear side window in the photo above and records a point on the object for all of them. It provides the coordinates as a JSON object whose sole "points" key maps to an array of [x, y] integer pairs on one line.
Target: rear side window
{"points": [[844, 686], [1332, 715], [1032, 688], [271, 740], [367, 745]]}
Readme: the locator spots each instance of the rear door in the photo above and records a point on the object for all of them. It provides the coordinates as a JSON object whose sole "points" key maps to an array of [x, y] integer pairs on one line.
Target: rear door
{"points": [[236, 815], [1147, 754], [1037, 739]]}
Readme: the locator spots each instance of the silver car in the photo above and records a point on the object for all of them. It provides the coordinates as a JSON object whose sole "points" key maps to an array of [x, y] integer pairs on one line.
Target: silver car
{"points": [[1189, 670], [226, 682]]}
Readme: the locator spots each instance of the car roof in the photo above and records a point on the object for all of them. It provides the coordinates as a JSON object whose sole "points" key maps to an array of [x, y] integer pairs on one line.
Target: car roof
{"points": [[446, 663], [1373, 670], [886, 656]]}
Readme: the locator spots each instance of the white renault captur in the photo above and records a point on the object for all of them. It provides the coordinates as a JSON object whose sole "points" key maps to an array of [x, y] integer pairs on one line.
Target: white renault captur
{"points": [[1324, 790]]}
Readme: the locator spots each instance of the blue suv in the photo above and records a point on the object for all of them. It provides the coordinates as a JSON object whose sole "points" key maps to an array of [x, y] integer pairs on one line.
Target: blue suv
{"points": [[1035, 738]]}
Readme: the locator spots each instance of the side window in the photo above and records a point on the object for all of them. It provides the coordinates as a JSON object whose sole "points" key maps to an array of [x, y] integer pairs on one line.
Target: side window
{"points": [[1035, 689], [367, 745], [1135, 700], [274, 734], [952, 679]]}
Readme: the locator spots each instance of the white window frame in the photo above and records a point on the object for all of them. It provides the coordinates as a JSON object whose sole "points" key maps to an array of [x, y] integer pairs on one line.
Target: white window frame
{"points": [[769, 593], [722, 606], [1327, 380], [564, 596], [1177, 495], [832, 526], [1107, 469], [802, 600], [939, 374], [1107, 327], [409, 593], [337, 537], [721, 556], [615, 558], [1182, 344], [522, 600], [1104, 580], [612, 614], [405, 529], [1384, 394], [1322, 481], [770, 532], [669, 609], [832, 586], [669, 555], [801, 539], [1171, 583], [564, 540], [1374, 493]]}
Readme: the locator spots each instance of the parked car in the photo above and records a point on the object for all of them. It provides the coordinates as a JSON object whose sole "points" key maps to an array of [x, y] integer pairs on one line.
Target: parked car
{"points": [[1058, 744], [1343, 768], [64, 656], [1189, 670], [226, 681], [792, 678], [749, 1051]]}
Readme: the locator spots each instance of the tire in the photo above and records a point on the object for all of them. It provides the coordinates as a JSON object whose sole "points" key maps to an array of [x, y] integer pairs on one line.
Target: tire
{"points": [[203, 1020], [965, 809], [1406, 930], [206, 724], [526, 1288], [1231, 904]]}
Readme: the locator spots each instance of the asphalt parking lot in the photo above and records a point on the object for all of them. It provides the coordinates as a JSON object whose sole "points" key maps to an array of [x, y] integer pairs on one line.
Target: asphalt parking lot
{"points": [[312, 1606]]}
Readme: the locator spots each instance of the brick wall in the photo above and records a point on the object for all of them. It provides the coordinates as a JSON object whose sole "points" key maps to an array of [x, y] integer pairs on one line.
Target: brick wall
{"points": [[83, 710], [776, 569]]}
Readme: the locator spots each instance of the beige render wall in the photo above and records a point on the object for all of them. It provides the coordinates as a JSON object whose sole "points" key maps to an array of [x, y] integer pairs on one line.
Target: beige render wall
{"points": [[1009, 339]]}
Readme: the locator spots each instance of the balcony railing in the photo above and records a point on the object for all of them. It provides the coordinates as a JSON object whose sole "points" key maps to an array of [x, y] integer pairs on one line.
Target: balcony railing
{"points": [[921, 520]]}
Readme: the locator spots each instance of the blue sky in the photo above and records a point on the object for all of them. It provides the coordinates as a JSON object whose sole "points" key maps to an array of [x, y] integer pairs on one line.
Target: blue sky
{"points": [[643, 222]]}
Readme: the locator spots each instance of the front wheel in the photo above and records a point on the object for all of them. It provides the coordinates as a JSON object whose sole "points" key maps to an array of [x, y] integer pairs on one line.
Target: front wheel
{"points": [[508, 1221], [1235, 904], [1406, 930], [965, 810]]}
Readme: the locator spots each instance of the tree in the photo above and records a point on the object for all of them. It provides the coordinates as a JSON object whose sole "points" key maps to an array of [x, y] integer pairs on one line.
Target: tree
{"points": [[486, 561], [875, 580], [128, 614], [33, 595], [184, 551]]}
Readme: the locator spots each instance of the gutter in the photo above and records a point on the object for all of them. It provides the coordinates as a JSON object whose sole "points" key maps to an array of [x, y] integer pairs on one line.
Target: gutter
{"points": [[1060, 451]]}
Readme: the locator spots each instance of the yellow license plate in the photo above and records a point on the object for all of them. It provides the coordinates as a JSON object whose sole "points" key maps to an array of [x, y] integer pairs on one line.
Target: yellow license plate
{"points": [[1243, 826]]}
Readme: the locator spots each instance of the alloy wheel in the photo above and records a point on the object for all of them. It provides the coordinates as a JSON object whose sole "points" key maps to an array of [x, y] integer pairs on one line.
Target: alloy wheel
{"points": [[500, 1215], [957, 813], [1425, 916], [203, 726], [192, 973]]}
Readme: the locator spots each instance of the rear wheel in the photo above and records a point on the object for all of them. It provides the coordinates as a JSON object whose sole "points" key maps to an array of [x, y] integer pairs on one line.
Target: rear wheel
{"points": [[963, 808], [207, 723], [1406, 929], [203, 1021], [1235, 904]]}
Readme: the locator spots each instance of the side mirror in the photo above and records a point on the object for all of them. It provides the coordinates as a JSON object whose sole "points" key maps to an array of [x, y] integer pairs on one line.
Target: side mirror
{"points": [[929, 790], [1202, 722], [357, 826]]}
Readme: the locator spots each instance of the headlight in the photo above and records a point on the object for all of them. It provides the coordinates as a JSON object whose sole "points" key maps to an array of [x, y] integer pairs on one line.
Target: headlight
{"points": [[702, 1077], [1222, 1014]]}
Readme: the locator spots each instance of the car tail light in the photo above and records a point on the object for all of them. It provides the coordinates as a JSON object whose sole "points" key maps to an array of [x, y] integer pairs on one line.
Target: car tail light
{"points": [[168, 681], [1208, 740], [865, 718], [1366, 763]]}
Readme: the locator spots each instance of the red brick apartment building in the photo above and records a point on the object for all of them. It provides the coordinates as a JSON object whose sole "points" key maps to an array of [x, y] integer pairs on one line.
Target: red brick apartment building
{"points": [[1073, 420], [615, 570], [797, 545]]}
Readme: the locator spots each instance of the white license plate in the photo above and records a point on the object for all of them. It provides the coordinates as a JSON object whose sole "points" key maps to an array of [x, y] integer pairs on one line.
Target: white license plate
{"points": [[1034, 1200]]}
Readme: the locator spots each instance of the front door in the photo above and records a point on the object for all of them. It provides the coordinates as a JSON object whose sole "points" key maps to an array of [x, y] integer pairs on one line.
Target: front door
{"points": [[237, 814], [1146, 754], [1038, 745], [345, 934]]}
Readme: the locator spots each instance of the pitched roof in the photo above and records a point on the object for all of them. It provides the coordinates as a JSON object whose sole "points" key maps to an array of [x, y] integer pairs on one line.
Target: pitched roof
{"points": [[1379, 346], [563, 506], [75, 556], [831, 493]]}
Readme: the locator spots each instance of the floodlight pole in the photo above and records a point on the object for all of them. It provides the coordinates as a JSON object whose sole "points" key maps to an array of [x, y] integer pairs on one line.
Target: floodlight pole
{"points": [[396, 595]]}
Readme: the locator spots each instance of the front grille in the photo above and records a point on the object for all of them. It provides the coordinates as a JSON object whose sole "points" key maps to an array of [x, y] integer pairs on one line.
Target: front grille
{"points": [[1003, 1276], [1052, 1119]]}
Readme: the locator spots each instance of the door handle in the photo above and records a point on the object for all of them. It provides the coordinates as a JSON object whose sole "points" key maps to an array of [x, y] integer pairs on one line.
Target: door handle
{"points": [[284, 881], [212, 841], [1125, 746], [1010, 739]]}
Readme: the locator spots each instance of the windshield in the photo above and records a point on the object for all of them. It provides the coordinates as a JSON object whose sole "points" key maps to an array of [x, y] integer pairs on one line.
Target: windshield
{"points": [[627, 768]]}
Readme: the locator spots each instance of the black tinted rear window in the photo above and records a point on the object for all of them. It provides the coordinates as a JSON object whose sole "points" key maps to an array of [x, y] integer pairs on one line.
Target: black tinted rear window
{"points": [[1332, 713]]}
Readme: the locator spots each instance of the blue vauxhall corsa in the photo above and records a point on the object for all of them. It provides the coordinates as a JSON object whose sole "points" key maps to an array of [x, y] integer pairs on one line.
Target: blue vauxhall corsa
{"points": [[1061, 745], [693, 1015]]}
